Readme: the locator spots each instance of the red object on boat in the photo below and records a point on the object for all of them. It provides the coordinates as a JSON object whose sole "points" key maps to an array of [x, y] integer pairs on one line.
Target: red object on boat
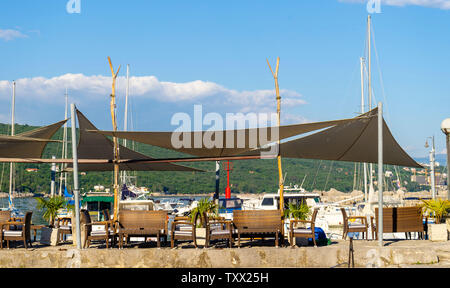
{"points": [[228, 189]]}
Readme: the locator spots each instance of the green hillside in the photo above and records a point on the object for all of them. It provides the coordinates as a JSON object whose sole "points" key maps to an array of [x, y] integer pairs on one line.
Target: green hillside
{"points": [[247, 176]]}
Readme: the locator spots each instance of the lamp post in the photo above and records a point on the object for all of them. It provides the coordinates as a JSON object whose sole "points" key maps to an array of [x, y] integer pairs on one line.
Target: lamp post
{"points": [[432, 158], [445, 127], [76, 190], [380, 173]]}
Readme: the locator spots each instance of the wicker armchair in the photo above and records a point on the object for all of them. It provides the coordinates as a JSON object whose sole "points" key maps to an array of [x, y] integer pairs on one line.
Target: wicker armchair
{"points": [[351, 227], [303, 232], [64, 225], [109, 231], [182, 229], [22, 233], [5, 216], [218, 228], [106, 215]]}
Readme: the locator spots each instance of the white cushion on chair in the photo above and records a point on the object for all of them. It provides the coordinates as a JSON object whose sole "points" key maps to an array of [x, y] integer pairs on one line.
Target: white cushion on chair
{"points": [[357, 226], [98, 233], [220, 232], [183, 233], [184, 227], [65, 227], [302, 231], [12, 233], [215, 226]]}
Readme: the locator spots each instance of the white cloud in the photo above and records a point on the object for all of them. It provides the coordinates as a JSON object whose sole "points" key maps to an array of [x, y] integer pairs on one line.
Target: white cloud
{"points": [[10, 34], [443, 151], [440, 4], [96, 87]]}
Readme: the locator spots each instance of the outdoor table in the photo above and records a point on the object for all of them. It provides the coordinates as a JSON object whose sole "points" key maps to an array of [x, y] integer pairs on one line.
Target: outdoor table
{"points": [[35, 228]]}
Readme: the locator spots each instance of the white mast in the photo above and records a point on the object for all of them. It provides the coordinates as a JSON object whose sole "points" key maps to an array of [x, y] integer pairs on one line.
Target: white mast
{"points": [[369, 62], [361, 60], [11, 165], [125, 124], [369, 80], [64, 151]]}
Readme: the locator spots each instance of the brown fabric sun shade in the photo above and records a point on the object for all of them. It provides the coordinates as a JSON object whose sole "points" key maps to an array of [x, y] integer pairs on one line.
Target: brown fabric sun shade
{"points": [[355, 141], [164, 139], [96, 146], [28, 144]]}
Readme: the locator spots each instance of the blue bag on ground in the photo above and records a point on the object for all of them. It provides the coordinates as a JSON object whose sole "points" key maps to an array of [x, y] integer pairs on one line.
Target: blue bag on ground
{"points": [[321, 237]]}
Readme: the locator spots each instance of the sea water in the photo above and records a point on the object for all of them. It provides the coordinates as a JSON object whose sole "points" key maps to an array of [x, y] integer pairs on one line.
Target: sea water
{"points": [[25, 205]]}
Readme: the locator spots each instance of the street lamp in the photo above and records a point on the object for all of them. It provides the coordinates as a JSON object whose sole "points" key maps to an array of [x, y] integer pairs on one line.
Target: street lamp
{"points": [[432, 157], [445, 127]]}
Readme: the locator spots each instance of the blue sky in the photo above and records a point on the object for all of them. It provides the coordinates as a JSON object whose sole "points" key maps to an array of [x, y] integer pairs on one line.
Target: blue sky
{"points": [[214, 53]]}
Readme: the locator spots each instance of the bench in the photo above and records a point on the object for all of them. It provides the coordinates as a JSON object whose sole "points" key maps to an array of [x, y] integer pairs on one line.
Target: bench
{"points": [[258, 223], [142, 223], [401, 219]]}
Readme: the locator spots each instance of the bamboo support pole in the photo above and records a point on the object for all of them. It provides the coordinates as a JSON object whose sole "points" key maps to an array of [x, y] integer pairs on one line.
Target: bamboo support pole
{"points": [[280, 170], [115, 140]]}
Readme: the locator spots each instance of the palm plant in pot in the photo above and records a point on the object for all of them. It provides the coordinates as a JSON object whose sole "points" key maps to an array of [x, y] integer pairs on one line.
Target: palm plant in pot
{"points": [[297, 212], [51, 206], [438, 209], [199, 216]]}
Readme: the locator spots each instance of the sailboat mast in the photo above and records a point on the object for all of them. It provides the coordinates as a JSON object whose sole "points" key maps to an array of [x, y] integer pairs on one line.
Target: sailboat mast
{"points": [[369, 80], [369, 62], [65, 137], [361, 60], [64, 150], [11, 165], [125, 124]]}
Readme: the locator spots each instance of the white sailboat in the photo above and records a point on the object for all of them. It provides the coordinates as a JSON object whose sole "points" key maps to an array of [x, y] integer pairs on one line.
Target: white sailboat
{"points": [[14, 211], [137, 199]]}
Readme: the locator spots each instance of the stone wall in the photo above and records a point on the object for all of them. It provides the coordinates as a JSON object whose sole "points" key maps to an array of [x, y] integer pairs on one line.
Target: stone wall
{"points": [[254, 257]]}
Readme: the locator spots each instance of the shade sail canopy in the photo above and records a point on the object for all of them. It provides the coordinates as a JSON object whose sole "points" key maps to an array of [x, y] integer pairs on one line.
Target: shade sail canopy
{"points": [[221, 143], [355, 141], [28, 144], [96, 146]]}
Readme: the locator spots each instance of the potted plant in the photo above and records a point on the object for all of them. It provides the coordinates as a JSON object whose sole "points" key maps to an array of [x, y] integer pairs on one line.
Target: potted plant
{"points": [[297, 212], [437, 208], [51, 206], [199, 216]]}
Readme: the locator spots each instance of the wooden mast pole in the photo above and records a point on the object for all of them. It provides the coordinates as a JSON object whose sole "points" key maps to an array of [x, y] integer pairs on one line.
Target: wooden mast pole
{"points": [[116, 146], [280, 170]]}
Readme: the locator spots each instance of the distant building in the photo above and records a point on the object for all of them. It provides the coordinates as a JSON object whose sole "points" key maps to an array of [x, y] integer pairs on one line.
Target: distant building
{"points": [[31, 169], [440, 179], [420, 179]]}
